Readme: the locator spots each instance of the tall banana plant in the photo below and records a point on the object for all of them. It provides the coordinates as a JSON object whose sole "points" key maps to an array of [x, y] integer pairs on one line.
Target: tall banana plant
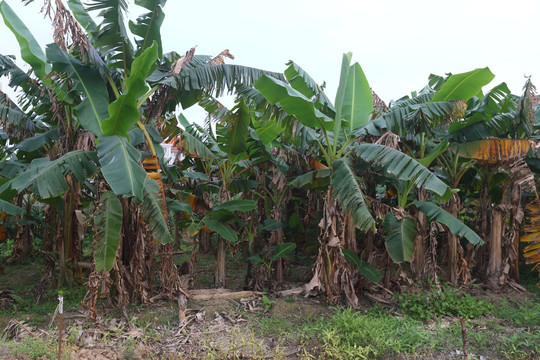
{"points": [[104, 83], [332, 129], [498, 135], [228, 155], [84, 91]]}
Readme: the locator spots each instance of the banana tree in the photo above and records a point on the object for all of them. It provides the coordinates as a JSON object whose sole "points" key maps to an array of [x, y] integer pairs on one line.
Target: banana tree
{"points": [[421, 122], [331, 129], [510, 119], [102, 82], [225, 157]]}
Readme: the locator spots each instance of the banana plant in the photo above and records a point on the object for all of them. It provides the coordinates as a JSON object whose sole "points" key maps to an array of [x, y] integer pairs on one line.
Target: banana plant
{"points": [[499, 138], [332, 130], [278, 252], [420, 121], [228, 155], [101, 86]]}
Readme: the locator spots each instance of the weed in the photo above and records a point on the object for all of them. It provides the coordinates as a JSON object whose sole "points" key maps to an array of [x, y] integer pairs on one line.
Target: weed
{"points": [[240, 345], [426, 305], [33, 348], [353, 335], [524, 313], [267, 303]]}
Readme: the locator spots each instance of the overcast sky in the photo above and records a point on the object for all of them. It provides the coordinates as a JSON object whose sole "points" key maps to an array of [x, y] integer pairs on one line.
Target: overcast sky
{"points": [[398, 43]]}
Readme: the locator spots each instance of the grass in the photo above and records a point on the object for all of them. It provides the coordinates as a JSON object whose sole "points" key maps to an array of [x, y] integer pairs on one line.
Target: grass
{"points": [[498, 326], [376, 334], [349, 334], [435, 303]]}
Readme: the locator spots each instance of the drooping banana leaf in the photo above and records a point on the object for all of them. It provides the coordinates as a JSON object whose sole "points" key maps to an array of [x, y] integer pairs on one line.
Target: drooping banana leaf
{"points": [[493, 151], [108, 225], [304, 83], [9, 208], [195, 147], [47, 178], [154, 212], [403, 167], [293, 102], [37, 141], [349, 193], [400, 235], [120, 166], [93, 108], [317, 179], [363, 266], [531, 252], [223, 230], [436, 213], [217, 79]]}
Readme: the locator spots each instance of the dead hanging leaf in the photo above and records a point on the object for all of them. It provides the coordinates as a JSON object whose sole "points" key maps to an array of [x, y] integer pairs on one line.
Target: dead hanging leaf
{"points": [[494, 151], [379, 106], [459, 110], [181, 63], [531, 252], [219, 59], [389, 139]]}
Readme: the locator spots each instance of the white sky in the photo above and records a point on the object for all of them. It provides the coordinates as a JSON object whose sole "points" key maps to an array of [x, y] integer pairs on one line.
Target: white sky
{"points": [[398, 43]]}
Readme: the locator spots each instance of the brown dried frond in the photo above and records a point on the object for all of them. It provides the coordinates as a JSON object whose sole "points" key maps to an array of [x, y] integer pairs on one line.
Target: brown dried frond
{"points": [[521, 175], [389, 139], [458, 112], [163, 95], [85, 141], [379, 105], [67, 31], [219, 59], [181, 63]]}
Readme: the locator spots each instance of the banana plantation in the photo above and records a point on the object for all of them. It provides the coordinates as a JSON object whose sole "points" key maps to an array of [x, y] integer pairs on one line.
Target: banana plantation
{"points": [[343, 200]]}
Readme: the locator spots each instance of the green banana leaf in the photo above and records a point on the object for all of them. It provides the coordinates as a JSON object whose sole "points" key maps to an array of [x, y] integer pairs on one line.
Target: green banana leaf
{"points": [[400, 235], [154, 211], [349, 193], [435, 213], [9, 208], [404, 168], [292, 101], [368, 271], [237, 205], [31, 52], [147, 26], [120, 166], [124, 112], [93, 109], [223, 230], [47, 178], [464, 86], [358, 99], [108, 225], [283, 250]]}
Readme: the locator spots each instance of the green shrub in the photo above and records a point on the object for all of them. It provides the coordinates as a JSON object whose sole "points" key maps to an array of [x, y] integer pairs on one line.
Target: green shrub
{"points": [[426, 305], [32, 348], [354, 335]]}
